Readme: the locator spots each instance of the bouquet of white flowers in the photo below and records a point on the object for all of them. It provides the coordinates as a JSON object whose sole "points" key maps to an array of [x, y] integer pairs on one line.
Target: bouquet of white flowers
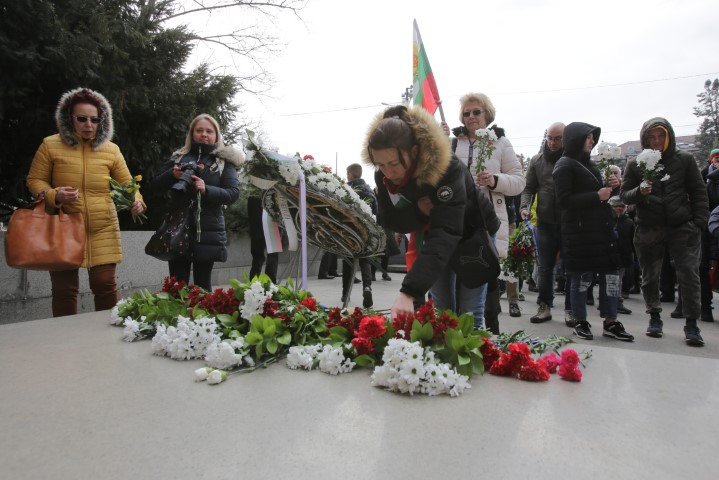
{"points": [[609, 154], [648, 163], [485, 146]]}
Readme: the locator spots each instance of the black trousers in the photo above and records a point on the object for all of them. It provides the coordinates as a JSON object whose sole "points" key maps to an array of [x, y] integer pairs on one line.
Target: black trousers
{"points": [[201, 272]]}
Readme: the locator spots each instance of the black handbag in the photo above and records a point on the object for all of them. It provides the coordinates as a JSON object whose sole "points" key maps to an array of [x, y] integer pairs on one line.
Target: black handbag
{"points": [[172, 240], [476, 261]]}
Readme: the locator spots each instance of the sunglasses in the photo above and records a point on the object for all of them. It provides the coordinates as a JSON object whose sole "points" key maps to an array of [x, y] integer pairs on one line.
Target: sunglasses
{"points": [[476, 113], [83, 119]]}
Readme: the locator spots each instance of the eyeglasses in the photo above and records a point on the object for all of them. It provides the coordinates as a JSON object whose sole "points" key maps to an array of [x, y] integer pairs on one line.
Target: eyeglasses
{"points": [[84, 118], [476, 113], [554, 139]]}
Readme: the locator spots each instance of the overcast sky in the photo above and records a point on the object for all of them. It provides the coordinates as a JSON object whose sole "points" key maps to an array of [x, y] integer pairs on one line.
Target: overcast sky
{"points": [[613, 64]]}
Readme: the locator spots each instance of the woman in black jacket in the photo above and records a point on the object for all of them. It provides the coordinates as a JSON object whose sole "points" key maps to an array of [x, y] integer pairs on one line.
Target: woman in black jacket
{"points": [[589, 244], [423, 188], [202, 176]]}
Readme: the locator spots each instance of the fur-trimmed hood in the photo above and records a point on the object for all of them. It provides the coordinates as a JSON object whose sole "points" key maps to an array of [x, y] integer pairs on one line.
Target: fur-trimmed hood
{"points": [[434, 152], [231, 155], [105, 129]]}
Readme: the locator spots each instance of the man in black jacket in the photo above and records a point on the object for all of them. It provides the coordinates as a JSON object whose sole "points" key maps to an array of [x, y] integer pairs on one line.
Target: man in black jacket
{"points": [[355, 180], [671, 213], [549, 232]]}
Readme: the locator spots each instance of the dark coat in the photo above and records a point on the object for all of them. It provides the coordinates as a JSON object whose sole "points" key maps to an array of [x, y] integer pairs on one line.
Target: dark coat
{"points": [[541, 184], [446, 181], [221, 188], [365, 193], [625, 240], [680, 199], [588, 240]]}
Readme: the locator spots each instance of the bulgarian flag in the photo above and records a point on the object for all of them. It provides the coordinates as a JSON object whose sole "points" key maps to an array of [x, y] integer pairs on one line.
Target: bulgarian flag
{"points": [[425, 90]]}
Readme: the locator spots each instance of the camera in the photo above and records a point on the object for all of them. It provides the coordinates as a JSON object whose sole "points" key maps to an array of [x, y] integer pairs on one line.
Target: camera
{"points": [[185, 180]]}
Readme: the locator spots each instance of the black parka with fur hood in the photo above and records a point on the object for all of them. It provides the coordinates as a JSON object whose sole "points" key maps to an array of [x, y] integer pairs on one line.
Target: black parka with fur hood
{"points": [[441, 177]]}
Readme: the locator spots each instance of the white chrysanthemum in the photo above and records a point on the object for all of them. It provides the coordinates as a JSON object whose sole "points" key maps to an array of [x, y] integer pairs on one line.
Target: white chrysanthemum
{"points": [[649, 159], [290, 171], [160, 341], [407, 368], [226, 354], [459, 384], [412, 371], [255, 298], [131, 331], [384, 376], [333, 361], [665, 178], [115, 317], [302, 356], [486, 132]]}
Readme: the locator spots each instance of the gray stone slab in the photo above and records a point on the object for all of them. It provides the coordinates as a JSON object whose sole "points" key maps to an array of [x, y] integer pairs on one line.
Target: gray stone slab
{"points": [[78, 402]]}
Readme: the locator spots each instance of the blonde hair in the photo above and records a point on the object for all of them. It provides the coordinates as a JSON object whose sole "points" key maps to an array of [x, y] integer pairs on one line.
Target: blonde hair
{"points": [[482, 99], [188, 139]]}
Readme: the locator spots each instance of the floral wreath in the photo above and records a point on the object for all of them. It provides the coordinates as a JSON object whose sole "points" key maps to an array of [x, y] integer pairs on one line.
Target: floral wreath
{"points": [[342, 222]]}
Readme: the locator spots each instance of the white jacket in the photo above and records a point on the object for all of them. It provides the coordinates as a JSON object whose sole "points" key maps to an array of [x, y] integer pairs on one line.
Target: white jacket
{"points": [[510, 181]]}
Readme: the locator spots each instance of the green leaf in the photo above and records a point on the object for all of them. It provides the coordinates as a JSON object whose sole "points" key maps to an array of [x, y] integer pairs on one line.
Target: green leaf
{"points": [[364, 360], [285, 338], [270, 329], [463, 359], [453, 339], [465, 323], [272, 346], [253, 338], [421, 332]]}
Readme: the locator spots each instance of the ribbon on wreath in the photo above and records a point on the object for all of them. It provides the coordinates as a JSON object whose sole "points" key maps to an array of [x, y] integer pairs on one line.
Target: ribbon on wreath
{"points": [[273, 237]]}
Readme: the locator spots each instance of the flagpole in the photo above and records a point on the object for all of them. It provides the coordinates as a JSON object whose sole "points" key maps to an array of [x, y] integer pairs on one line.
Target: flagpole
{"points": [[441, 112]]}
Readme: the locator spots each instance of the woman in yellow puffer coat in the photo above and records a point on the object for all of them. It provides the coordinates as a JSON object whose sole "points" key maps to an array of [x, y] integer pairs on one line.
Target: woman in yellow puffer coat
{"points": [[72, 167]]}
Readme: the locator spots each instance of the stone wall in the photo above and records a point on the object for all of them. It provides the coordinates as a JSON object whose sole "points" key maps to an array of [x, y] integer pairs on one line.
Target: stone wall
{"points": [[26, 295]]}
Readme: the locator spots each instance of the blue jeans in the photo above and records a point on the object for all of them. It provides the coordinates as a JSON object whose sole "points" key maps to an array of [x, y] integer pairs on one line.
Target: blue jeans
{"points": [[549, 240], [447, 293], [610, 288]]}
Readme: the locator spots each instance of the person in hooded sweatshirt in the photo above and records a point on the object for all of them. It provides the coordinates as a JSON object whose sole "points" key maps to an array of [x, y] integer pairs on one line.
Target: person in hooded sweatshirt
{"points": [[588, 240], [670, 215]]}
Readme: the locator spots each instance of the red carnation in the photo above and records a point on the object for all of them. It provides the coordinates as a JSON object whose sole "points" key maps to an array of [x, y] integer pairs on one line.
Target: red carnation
{"points": [[553, 361], [570, 358], [571, 374], [490, 354], [362, 345], [534, 371], [372, 327], [310, 303], [503, 366], [569, 369]]}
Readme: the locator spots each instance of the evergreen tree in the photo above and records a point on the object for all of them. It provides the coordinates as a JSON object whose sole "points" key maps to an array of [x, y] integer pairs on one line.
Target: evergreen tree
{"points": [[125, 50], [708, 111]]}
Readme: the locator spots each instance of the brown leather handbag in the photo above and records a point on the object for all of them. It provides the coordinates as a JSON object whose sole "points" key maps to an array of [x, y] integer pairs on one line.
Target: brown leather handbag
{"points": [[36, 240]]}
